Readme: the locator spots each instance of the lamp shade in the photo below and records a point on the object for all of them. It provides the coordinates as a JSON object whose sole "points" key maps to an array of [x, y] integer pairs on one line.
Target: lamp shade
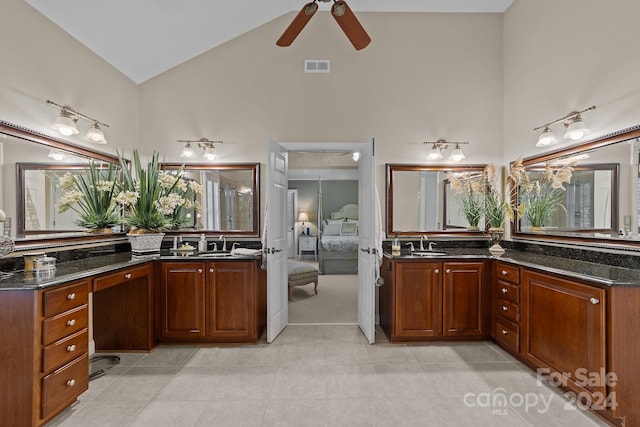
{"points": [[303, 217], [576, 129], [95, 135], [457, 154], [546, 138], [434, 153], [209, 153], [187, 151], [65, 125]]}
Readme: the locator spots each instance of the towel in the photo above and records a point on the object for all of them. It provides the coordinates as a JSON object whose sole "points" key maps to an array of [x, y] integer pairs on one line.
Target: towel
{"points": [[246, 252], [379, 234]]}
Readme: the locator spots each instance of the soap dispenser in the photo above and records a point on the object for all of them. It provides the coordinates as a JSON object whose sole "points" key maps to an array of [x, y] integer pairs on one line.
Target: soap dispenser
{"points": [[202, 244], [395, 246]]}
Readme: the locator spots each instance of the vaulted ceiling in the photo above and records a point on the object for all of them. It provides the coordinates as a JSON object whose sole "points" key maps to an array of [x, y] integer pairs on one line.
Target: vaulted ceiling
{"points": [[143, 38]]}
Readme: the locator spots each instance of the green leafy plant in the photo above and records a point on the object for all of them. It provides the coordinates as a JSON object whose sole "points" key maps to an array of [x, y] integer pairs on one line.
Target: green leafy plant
{"points": [[470, 190], [92, 195], [496, 208], [539, 199], [149, 197]]}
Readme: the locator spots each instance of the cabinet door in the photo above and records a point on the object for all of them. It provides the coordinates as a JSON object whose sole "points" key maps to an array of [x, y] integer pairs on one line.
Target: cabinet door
{"points": [[418, 309], [464, 300], [183, 299], [230, 299], [563, 327]]}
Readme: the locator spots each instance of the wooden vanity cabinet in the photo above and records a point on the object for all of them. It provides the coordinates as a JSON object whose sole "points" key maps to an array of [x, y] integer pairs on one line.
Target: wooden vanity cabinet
{"points": [[506, 305], [219, 301], [424, 300], [563, 328], [45, 365]]}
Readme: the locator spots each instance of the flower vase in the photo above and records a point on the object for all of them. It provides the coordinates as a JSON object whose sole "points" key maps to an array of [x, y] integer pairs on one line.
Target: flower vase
{"points": [[145, 243], [537, 229], [496, 237]]}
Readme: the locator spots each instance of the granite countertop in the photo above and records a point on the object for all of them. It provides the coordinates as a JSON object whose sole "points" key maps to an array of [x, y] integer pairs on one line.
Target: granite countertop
{"points": [[80, 269], [597, 273]]}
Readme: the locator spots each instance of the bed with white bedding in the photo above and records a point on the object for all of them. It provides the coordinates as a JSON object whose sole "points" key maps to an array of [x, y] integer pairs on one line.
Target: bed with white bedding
{"points": [[338, 246]]}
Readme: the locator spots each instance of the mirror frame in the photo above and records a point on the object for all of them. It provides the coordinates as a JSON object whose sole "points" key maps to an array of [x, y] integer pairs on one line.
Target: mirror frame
{"points": [[255, 179], [57, 238], [604, 141], [398, 167]]}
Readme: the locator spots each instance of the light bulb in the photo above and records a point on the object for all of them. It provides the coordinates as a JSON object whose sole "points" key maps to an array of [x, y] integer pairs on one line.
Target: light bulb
{"points": [[65, 125], [576, 129], [457, 154], [95, 135], [209, 153], [434, 153]]}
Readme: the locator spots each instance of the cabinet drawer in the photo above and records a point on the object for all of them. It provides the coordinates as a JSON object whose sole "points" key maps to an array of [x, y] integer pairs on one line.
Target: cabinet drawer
{"points": [[63, 387], [308, 243], [119, 277], [508, 310], [508, 291], [62, 325], [65, 350], [61, 299], [504, 271], [508, 334]]}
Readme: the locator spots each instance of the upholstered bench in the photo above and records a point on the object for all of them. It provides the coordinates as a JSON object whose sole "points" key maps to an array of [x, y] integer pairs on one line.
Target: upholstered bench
{"points": [[302, 273]]}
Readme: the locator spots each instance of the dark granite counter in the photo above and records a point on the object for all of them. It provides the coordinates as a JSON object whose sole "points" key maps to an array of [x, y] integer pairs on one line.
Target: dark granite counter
{"points": [[79, 269], [597, 273]]}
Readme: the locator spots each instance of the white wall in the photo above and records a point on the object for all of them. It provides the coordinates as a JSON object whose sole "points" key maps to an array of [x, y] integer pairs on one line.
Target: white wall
{"points": [[563, 56], [40, 61]]}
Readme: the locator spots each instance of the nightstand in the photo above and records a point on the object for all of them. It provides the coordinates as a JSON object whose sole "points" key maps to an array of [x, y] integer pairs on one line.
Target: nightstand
{"points": [[308, 244]]}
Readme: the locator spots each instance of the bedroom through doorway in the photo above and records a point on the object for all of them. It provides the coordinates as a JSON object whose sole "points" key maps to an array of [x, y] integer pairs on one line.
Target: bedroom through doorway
{"points": [[322, 216]]}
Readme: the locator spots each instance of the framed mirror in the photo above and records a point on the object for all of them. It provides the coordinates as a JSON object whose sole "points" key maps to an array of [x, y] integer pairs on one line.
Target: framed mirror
{"points": [[30, 163], [420, 199], [229, 202], [600, 203]]}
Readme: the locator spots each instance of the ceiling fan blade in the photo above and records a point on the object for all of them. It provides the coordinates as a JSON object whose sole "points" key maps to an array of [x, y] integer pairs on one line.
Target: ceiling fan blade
{"points": [[298, 23], [350, 25]]}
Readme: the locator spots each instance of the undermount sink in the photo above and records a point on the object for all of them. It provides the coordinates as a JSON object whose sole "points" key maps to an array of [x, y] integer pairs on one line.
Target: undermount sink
{"points": [[428, 253]]}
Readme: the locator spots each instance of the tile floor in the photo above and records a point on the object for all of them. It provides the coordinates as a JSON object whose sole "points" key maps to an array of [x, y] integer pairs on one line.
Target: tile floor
{"points": [[321, 376]]}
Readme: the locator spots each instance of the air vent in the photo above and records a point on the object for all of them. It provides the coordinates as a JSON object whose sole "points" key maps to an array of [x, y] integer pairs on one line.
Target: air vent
{"points": [[317, 66]]}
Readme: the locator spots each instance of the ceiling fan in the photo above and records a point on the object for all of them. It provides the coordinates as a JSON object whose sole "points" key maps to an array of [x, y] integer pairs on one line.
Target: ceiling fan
{"points": [[342, 14]]}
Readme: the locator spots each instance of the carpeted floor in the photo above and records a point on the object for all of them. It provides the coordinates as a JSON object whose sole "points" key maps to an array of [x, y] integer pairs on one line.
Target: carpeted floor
{"points": [[336, 302]]}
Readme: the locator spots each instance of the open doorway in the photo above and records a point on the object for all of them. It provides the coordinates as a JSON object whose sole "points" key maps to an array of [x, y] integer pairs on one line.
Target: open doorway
{"points": [[324, 285], [275, 244]]}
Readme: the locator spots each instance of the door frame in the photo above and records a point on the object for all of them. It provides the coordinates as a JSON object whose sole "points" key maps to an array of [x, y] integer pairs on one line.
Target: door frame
{"points": [[322, 147]]}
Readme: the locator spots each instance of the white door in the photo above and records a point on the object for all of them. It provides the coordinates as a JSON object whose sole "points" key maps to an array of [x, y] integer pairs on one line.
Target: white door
{"points": [[367, 241], [276, 250]]}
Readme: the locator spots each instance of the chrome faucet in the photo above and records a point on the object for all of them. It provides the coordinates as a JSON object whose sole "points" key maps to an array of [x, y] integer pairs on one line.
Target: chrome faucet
{"points": [[423, 239], [235, 245], [411, 247], [431, 245], [224, 242]]}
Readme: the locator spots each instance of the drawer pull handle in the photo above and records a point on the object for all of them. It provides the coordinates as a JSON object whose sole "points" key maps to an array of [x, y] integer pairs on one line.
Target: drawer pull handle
{"points": [[71, 296], [127, 276], [71, 383], [504, 290], [71, 348], [448, 270], [505, 273], [211, 270], [436, 271], [505, 332], [505, 308], [594, 301], [199, 270], [71, 322]]}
